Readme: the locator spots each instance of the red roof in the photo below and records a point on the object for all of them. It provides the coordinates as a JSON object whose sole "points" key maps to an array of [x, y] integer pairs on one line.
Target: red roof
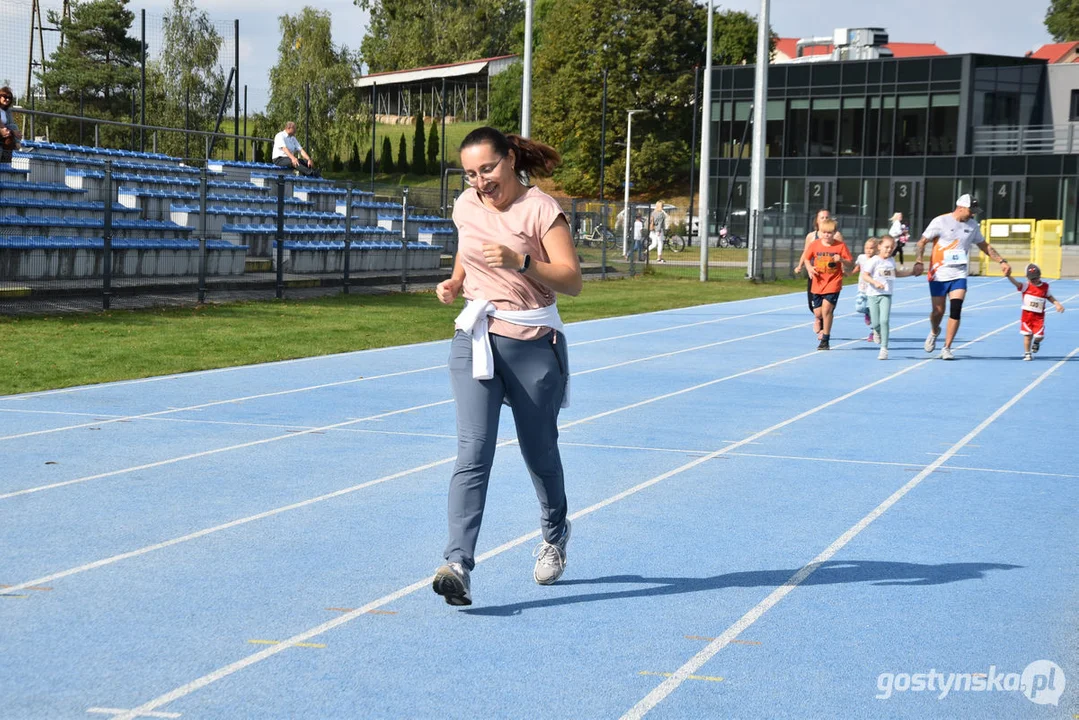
{"points": [[789, 47], [1054, 52]]}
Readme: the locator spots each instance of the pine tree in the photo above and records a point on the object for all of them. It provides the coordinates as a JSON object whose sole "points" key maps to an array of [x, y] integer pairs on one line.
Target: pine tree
{"points": [[419, 159], [367, 160], [433, 148], [385, 162], [402, 155], [354, 159]]}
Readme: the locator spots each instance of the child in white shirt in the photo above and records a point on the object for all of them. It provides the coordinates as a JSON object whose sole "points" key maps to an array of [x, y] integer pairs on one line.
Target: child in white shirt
{"points": [[879, 274], [861, 303]]}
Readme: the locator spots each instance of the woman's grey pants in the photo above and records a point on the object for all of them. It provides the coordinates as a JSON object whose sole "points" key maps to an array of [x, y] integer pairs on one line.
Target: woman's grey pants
{"points": [[531, 375]]}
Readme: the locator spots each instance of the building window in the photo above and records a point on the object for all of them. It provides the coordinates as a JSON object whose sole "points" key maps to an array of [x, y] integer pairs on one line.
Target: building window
{"points": [[851, 123], [1073, 115], [824, 127], [797, 128], [774, 128], [872, 127], [911, 124], [943, 123]]}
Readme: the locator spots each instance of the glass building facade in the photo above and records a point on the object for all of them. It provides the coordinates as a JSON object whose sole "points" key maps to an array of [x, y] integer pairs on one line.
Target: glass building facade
{"points": [[874, 137]]}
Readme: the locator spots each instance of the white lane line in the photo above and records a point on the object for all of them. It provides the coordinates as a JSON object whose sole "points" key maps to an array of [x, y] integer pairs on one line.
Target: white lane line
{"points": [[215, 403], [807, 458], [335, 426], [354, 488], [207, 453], [695, 663], [306, 635], [234, 368], [269, 513]]}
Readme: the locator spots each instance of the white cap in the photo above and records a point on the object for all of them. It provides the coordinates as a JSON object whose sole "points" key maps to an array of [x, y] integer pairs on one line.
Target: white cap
{"points": [[966, 201]]}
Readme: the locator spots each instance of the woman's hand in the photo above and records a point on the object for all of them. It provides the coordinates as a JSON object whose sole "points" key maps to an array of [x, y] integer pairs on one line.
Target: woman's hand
{"points": [[500, 256], [448, 290]]}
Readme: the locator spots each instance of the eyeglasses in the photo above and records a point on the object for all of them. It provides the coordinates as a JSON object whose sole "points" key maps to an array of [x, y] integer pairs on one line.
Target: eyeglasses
{"points": [[486, 172], [5, 97]]}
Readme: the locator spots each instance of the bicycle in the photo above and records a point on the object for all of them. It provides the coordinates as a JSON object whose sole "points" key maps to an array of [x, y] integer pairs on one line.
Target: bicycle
{"points": [[598, 237], [674, 243]]}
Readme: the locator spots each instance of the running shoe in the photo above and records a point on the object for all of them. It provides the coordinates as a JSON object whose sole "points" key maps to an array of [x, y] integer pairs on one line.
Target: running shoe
{"points": [[551, 559], [947, 354], [876, 337], [1028, 356], [871, 337], [452, 582], [1036, 345], [883, 354], [823, 345], [931, 341]]}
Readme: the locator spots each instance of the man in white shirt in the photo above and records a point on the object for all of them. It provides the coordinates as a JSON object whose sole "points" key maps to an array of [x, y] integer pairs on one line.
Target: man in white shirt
{"points": [[952, 234], [287, 152]]}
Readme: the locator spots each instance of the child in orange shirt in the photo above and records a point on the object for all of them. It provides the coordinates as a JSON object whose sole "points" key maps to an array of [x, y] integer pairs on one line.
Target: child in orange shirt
{"points": [[825, 260]]}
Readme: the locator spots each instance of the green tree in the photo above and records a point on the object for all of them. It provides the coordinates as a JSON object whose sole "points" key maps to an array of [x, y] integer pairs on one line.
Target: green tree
{"points": [[433, 148], [505, 99], [185, 85], [354, 165], [648, 48], [419, 155], [385, 161], [734, 38], [367, 160], [307, 56], [1062, 20], [402, 155], [97, 65], [413, 33]]}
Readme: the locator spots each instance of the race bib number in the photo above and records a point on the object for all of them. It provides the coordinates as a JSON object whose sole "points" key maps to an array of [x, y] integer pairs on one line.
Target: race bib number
{"points": [[886, 274], [1033, 303], [955, 256]]}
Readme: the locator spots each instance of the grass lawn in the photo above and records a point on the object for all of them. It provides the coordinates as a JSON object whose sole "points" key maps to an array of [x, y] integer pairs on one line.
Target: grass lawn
{"points": [[40, 353]]}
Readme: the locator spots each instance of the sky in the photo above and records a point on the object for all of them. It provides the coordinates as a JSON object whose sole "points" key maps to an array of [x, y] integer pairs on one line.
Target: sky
{"points": [[1003, 27]]}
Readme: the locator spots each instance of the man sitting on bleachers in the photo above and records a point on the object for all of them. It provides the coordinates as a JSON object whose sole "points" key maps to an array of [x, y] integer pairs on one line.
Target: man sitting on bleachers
{"points": [[9, 131], [287, 152]]}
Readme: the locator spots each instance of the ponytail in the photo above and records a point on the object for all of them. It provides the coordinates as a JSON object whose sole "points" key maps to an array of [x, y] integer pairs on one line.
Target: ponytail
{"points": [[532, 158]]}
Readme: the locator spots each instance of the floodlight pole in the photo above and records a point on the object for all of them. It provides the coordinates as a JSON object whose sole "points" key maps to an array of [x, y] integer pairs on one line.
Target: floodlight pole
{"points": [[526, 86], [706, 152], [626, 220], [756, 180]]}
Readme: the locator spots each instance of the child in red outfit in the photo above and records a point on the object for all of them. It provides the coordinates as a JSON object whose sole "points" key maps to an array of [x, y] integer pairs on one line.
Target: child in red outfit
{"points": [[1032, 322]]}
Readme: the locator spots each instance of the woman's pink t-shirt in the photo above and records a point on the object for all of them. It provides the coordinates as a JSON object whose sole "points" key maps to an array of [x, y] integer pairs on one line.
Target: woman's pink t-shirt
{"points": [[520, 227]]}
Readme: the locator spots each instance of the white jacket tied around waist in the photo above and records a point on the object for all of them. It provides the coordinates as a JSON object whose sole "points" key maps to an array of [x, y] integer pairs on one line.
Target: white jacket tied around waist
{"points": [[473, 321]]}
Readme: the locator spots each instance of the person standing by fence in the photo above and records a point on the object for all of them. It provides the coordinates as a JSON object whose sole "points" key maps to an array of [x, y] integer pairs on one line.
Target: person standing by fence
{"points": [[658, 235], [515, 254], [10, 137]]}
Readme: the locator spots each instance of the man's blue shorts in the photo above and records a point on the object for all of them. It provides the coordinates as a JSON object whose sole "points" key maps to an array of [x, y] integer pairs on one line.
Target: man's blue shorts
{"points": [[943, 288]]}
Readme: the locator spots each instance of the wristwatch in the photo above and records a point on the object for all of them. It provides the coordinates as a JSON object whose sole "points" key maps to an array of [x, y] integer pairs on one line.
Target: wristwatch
{"points": [[525, 265]]}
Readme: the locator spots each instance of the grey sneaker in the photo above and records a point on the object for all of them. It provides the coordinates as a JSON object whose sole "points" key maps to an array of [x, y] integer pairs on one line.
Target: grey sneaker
{"points": [[1036, 345], [883, 354], [452, 582], [551, 559], [876, 337], [1028, 356], [931, 341], [947, 354]]}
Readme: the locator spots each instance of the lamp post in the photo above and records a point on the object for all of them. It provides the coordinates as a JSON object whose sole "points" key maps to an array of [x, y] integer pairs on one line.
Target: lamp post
{"points": [[706, 152], [626, 220]]}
